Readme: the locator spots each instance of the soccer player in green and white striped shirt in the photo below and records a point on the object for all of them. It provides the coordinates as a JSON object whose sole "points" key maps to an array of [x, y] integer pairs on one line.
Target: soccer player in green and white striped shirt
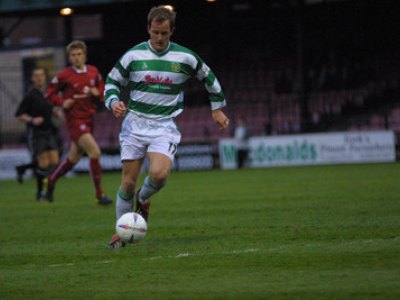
{"points": [[155, 73]]}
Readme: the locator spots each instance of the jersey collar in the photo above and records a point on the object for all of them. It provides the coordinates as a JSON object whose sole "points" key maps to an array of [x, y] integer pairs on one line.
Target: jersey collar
{"points": [[156, 52], [83, 70]]}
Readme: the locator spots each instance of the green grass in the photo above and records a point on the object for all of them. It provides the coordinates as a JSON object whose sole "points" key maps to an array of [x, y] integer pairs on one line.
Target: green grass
{"points": [[326, 232]]}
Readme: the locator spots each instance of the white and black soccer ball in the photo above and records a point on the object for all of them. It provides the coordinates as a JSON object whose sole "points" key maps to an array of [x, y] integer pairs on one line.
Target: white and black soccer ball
{"points": [[131, 228]]}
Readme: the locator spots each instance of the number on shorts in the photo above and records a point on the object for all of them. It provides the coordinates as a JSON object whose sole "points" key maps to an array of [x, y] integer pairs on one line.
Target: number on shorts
{"points": [[172, 148]]}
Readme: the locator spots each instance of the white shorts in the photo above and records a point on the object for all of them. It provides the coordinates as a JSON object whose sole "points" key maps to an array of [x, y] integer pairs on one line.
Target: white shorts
{"points": [[140, 135]]}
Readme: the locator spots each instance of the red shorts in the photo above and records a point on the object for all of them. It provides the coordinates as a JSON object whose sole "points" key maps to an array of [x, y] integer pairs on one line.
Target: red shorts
{"points": [[79, 127]]}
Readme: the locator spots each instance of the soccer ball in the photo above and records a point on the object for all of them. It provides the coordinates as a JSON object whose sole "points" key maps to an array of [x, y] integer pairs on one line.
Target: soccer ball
{"points": [[131, 228]]}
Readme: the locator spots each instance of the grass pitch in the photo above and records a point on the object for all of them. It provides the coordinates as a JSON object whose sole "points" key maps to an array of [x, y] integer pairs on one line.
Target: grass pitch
{"points": [[325, 232]]}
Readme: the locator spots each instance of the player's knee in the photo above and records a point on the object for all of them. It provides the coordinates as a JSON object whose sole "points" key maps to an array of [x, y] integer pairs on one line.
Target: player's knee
{"points": [[159, 177], [54, 162], [94, 154], [43, 163], [74, 158]]}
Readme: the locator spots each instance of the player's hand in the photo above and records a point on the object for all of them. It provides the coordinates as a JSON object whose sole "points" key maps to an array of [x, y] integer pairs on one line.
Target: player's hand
{"points": [[36, 121], [94, 91], [68, 103], [58, 112], [118, 109], [58, 117], [220, 119]]}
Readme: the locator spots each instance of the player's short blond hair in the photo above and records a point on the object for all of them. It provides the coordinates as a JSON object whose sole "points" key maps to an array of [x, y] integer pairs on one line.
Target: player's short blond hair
{"points": [[76, 45], [160, 14]]}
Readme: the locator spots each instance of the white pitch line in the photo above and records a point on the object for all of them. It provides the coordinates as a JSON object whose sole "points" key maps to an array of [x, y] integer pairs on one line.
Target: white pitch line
{"points": [[183, 255], [155, 257], [180, 255], [101, 262], [61, 265], [250, 250]]}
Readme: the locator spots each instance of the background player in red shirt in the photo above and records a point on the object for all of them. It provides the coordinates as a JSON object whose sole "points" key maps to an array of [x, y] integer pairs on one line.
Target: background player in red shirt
{"points": [[78, 89]]}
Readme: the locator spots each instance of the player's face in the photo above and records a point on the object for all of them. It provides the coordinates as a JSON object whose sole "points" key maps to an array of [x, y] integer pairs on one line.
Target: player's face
{"points": [[77, 58], [39, 78], [160, 33]]}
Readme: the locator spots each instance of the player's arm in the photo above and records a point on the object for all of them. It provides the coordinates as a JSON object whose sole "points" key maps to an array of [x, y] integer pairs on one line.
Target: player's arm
{"points": [[115, 81], [215, 93], [52, 93], [29, 120], [58, 114], [23, 113], [98, 90]]}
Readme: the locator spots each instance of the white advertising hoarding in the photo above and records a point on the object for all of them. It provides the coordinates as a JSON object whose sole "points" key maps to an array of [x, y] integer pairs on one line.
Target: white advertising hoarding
{"points": [[9, 159], [309, 149], [189, 157]]}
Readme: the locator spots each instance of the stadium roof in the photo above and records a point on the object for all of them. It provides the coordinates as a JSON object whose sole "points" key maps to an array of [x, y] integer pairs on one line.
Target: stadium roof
{"points": [[18, 6]]}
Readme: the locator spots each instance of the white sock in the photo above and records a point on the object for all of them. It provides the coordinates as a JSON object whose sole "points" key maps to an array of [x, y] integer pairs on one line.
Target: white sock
{"points": [[124, 204], [149, 188]]}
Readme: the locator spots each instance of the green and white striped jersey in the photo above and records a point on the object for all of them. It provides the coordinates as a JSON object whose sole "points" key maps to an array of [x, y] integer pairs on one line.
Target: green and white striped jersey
{"points": [[156, 80]]}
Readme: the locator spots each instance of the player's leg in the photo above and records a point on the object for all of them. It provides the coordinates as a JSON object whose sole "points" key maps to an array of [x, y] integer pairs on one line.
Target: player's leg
{"points": [[49, 161], [133, 152], [40, 173], [53, 157], [74, 155], [89, 145], [21, 169], [38, 144], [159, 168], [161, 152], [53, 153], [125, 194]]}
